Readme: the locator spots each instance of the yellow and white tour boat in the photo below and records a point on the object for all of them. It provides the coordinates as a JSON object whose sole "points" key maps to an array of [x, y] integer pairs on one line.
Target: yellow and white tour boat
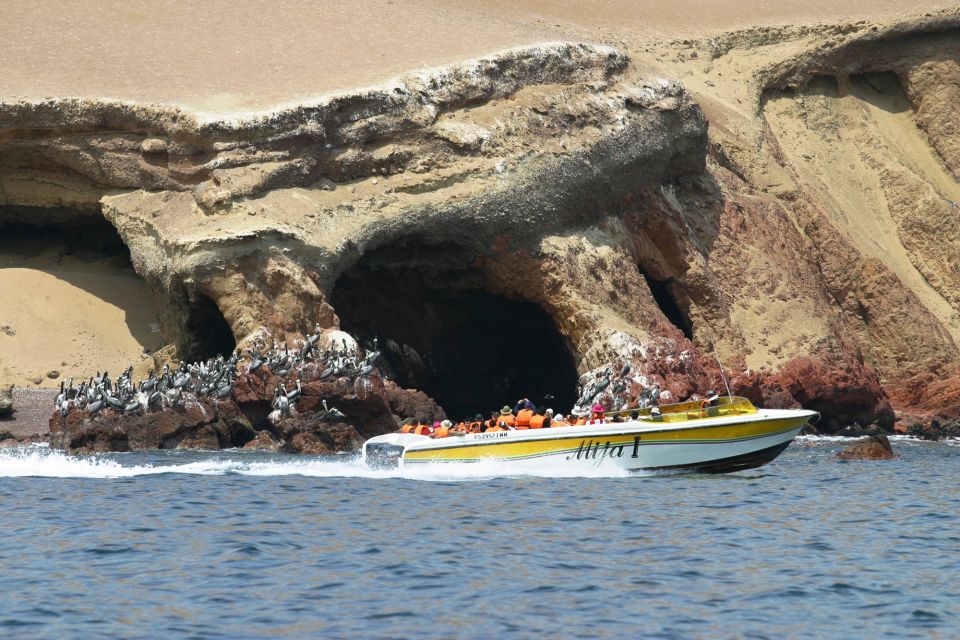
{"points": [[730, 436]]}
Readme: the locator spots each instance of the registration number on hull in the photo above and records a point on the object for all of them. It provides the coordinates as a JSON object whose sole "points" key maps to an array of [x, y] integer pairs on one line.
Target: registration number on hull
{"points": [[490, 436]]}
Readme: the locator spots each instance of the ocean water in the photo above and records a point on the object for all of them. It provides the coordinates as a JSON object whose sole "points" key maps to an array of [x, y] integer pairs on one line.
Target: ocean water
{"points": [[243, 545]]}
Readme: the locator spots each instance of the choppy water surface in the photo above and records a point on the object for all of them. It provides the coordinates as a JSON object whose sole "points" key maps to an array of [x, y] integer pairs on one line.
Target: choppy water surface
{"points": [[235, 545]]}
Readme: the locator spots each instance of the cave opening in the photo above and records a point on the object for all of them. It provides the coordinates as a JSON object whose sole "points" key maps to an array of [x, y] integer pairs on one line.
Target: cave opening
{"points": [[665, 299], [442, 332], [90, 239], [207, 334]]}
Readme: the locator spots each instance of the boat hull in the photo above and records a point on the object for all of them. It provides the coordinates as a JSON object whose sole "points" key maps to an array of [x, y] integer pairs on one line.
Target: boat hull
{"points": [[712, 445]]}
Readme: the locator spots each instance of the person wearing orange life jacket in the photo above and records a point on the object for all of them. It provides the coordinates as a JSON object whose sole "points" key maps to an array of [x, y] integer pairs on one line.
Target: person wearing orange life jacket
{"points": [[710, 400], [422, 430], [505, 420], [541, 420], [443, 430], [524, 410], [477, 425]]}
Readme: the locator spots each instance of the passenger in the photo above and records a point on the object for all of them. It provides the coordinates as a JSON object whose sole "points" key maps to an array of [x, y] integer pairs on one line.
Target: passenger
{"points": [[711, 400], [523, 418], [505, 420], [443, 430], [422, 430], [541, 421], [524, 403], [407, 425], [655, 415], [559, 421], [477, 425], [634, 415], [597, 414]]}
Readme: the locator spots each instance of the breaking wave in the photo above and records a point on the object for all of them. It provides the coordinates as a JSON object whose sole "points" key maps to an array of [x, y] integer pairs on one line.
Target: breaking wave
{"points": [[42, 462]]}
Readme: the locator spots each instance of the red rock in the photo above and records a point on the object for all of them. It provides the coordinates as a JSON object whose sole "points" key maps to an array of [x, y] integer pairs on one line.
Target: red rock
{"points": [[263, 441]]}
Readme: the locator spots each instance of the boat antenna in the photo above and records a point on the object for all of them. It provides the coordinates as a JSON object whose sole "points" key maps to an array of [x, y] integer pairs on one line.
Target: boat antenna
{"points": [[723, 376], [713, 345]]}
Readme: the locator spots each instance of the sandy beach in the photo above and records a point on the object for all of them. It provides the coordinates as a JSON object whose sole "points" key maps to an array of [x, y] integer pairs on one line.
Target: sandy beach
{"points": [[70, 314]]}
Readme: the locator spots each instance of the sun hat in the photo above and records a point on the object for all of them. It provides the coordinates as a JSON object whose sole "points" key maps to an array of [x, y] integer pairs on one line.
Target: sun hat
{"points": [[506, 411], [549, 412], [478, 417], [446, 423]]}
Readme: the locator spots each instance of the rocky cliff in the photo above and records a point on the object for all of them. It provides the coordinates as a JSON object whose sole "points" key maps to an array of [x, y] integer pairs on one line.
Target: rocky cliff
{"points": [[782, 201]]}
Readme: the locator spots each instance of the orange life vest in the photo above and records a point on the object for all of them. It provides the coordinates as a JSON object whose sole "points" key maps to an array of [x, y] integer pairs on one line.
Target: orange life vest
{"points": [[422, 430], [475, 427], [523, 418], [407, 428], [580, 421], [441, 432], [536, 422], [508, 420]]}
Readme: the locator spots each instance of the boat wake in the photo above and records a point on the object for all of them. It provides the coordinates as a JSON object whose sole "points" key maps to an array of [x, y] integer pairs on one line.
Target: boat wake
{"points": [[42, 462]]}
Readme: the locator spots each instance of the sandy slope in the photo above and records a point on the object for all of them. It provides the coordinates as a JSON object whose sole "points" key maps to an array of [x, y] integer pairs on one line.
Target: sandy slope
{"points": [[227, 55], [71, 315]]}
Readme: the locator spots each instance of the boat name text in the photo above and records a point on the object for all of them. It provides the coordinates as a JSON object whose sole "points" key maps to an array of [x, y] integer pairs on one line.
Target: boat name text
{"points": [[596, 450]]}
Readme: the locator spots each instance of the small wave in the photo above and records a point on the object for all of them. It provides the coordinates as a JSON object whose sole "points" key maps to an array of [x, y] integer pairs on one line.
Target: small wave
{"points": [[48, 463], [815, 439]]}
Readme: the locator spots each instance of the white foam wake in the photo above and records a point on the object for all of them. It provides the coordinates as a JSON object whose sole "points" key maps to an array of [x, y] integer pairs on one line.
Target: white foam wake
{"points": [[829, 439], [47, 463]]}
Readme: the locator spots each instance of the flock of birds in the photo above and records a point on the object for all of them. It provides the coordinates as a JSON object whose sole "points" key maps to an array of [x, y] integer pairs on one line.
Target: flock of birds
{"points": [[591, 388], [214, 378]]}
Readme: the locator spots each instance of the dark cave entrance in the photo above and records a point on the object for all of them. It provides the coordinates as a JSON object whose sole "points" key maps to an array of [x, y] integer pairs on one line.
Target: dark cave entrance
{"points": [[441, 332], [89, 237], [206, 332], [668, 304]]}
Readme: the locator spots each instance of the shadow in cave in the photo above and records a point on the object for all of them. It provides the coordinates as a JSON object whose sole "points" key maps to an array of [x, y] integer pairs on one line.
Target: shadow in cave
{"points": [[441, 332], [207, 333], [668, 304]]}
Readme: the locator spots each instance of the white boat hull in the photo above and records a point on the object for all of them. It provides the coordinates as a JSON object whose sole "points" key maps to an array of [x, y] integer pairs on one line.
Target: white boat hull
{"points": [[707, 444]]}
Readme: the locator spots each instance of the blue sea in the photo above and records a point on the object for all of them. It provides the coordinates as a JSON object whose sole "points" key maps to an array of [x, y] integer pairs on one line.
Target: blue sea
{"points": [[249, 545]]}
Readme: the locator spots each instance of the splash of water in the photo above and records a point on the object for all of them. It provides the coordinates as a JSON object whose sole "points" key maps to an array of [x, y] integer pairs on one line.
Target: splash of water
{"points": [[47, 463]]}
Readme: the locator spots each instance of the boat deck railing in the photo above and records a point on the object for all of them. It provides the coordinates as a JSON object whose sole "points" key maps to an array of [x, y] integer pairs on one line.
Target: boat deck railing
{"points": [[692, 410]]}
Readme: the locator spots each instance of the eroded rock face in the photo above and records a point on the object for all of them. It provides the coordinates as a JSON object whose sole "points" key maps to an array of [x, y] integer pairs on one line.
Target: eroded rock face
{"points": [[814, 262]]}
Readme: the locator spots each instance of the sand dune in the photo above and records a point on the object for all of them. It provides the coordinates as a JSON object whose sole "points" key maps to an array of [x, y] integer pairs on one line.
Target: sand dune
{"points": [[229, 55]]}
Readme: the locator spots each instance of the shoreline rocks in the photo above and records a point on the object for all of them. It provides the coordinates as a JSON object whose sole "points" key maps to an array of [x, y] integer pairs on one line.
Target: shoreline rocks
{"points": [[876, 447], [6, 400]]}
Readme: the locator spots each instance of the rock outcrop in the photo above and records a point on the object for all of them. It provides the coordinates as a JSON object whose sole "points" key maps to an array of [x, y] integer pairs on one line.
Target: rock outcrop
{"points": [[6, 400], [563, 194], [873, 448]]}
